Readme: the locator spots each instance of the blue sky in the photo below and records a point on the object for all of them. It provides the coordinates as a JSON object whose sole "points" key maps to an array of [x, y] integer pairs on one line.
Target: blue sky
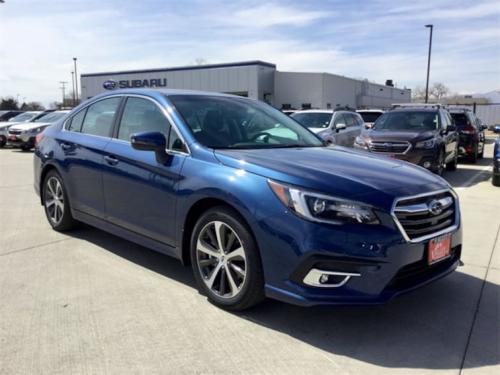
{"points": [[377, 39]]}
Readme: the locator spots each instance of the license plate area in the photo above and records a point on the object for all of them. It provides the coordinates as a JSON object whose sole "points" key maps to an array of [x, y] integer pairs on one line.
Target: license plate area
{"points": [[439, 248], [12, 138]]}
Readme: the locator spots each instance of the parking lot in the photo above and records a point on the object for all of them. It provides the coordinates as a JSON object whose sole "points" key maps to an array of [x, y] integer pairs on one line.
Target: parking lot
{"points": [[89, 302]]}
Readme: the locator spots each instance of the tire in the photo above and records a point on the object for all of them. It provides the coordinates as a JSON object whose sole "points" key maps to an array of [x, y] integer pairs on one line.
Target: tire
{"points": [[474, 156], [496, 180], [231, 278], [441, 166], [56, 203], [481, 154], [3, 141], [452, 165], [26, 148]]}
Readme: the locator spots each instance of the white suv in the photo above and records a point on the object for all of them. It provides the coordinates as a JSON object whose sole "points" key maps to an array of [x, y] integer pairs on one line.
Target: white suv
{"points": [[335, 127]]}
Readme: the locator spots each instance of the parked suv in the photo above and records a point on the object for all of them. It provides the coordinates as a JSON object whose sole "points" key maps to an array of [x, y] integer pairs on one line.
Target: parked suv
{"points": [[471, 130], [422, 135], [208, 179], [495, 179], [334, 127], [6, 115]]}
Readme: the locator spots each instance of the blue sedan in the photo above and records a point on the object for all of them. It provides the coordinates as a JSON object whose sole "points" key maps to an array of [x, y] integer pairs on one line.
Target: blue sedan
{"points": [[253, 201]]}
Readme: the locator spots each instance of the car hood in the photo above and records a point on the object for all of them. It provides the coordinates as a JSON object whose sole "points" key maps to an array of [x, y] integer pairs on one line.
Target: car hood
{"points": [[336, 170], [29, 125], [317, 130], [7, 124], [389, 135]]}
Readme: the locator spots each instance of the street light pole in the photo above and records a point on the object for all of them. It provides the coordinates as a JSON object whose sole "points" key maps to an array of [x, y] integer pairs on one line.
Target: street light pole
{"points": [[73, 86], [63, 88], [76, 79], [428, 64]]}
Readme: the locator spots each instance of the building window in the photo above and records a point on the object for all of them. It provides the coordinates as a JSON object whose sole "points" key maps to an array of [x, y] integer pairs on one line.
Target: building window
{"points": [[306, 106], [286, 106], [328, 105]]}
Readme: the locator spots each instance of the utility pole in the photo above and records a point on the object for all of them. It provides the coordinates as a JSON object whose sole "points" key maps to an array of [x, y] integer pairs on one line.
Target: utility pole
{"points": [[73, 86], [76, 79], [428, 63], [63, 88]]}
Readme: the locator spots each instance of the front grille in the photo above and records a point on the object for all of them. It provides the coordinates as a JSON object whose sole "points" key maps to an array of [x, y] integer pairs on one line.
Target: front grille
{"points": [[423, 216], [390, 147], [14, 132]]}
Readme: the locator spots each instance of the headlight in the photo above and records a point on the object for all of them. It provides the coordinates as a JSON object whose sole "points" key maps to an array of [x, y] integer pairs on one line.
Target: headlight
{"points": [[426, 144], [37, 130], [322, 208], [359, 142]]}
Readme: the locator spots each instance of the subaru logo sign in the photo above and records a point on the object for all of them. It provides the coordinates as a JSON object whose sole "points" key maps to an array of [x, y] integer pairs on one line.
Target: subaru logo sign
{"points": [[110, 84]]}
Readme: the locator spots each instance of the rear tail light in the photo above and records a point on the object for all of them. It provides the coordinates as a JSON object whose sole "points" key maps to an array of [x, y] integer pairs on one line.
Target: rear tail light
{"points": [[468, 130], [39, 138]]}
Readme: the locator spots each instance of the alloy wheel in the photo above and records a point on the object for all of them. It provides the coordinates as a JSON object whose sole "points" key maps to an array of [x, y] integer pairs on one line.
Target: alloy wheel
{"points": [[221, 259], [54, 200]]}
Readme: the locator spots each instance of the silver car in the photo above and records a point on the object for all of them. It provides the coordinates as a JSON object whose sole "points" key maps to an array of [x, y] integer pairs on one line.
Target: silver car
{"points": [[21, 118], [335, 127]]}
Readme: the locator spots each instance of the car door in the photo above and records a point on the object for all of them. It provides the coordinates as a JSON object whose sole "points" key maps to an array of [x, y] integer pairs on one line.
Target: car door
{"points": [[354, 128], [82, 143], [340, 135], [140, 192], [450, 137]]}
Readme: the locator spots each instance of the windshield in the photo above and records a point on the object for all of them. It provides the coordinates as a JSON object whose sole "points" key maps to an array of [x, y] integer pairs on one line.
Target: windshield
{"points": [[313, 119], [51, 117], [26, 116], [226, 122], [408, 121], [370, 116]]}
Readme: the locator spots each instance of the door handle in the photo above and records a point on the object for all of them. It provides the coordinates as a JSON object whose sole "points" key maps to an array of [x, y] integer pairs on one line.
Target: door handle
{"points": [[111, 160]]}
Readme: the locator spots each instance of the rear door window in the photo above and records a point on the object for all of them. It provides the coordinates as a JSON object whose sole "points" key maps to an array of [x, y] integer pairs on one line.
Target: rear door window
{"points": [[75, 123], [100, 116]]}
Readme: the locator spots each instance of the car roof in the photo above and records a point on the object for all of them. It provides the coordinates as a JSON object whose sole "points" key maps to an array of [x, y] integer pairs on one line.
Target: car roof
{"points": [[414, 109], [370, 110]]}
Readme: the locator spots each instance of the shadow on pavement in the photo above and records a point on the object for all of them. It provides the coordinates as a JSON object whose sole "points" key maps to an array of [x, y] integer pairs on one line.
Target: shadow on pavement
{"points": [[425, 329], [467, 171]]}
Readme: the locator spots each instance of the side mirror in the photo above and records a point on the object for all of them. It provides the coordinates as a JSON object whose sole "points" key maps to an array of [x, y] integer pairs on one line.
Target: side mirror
{"points": [[151, 141], [484, 127], [339, 127]]}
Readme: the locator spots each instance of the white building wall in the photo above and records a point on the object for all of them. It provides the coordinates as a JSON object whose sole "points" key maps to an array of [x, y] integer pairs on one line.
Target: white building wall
{"points": [[241, 79], [297, 89]]}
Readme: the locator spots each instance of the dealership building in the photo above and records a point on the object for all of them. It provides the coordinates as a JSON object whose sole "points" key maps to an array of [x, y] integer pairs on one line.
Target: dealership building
{"points": [[257, 80]]}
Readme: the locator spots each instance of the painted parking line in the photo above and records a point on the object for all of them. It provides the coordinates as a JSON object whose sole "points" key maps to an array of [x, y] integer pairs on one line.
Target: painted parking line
{"points": [[473, 178]]}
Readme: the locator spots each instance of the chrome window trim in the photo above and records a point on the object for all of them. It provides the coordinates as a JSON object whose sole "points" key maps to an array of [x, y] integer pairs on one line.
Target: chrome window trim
{"points": [[162, 109], [450, 229], [388, 152], [86, 107]]}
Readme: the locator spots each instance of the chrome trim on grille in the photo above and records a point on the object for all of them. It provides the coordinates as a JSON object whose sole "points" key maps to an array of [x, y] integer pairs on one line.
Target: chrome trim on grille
{"points": [[418, 208], [388, 145]]}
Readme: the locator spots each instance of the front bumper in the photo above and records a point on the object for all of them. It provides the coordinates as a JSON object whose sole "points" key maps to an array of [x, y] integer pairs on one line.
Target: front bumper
{"points": [[20, 140], [380, 262]]}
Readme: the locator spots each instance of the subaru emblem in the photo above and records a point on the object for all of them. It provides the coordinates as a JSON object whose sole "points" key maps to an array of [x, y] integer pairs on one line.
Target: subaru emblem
{"points": [[109, 84], [435, 207]]}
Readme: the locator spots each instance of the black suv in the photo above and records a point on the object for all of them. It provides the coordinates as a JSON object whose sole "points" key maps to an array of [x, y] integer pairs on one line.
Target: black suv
{"points": [[421, 134], [472, 138]]}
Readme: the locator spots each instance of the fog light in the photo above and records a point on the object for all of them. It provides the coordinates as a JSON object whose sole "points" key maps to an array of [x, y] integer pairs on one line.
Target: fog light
{"points": [[328, 279], [323, 279], [427, 164], [319, 206]]}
